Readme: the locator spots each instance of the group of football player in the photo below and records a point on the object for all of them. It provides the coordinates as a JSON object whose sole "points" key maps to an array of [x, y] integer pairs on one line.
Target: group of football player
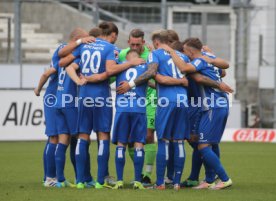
{"points": [[170, 87]]}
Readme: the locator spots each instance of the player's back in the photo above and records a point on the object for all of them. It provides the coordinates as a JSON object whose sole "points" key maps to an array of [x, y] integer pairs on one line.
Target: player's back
{"points": [[66, 90], [168, 68], [93, 61], [137, 94], [53, 80], [64, 84], [214, 73], [194, 90]]}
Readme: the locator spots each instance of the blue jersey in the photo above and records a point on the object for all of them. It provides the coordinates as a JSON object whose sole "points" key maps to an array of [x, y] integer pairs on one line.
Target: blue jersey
{"points": [[135, 99], [167, 67], [53, 80], [66, 88], [93, 57], [214, 97], [194, 89]]}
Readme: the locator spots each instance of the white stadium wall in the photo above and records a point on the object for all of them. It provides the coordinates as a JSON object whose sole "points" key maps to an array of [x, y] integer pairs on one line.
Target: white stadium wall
{"points": [[21, 118]]}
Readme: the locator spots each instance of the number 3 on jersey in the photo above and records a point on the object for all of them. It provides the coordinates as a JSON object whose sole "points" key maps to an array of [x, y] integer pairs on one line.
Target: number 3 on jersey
{"points": [[131, 75], [91, 63]]}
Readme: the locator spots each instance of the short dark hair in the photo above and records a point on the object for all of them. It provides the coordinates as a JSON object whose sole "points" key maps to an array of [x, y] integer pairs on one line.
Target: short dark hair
{"points": [[108, 28], [173, 36], [137, 33], [177, 45], [162, 36], [194, 43], [96, 32]]}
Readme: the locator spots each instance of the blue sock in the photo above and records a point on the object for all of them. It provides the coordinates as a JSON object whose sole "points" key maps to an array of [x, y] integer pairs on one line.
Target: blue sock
{"points": [[87, 170], [81, 159], [215, 148], [51, 163], [120, 161], [106, 171], [179, 160], [73, 145], [45, 161], [60, 161], [162, 158], [139, 156], [196, 163], [103, 157], [212, 160], [170, 164], [210, 174]]}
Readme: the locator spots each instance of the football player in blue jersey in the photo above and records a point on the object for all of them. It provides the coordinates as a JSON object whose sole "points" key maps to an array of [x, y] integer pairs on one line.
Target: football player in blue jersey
{"points": [[130, 125], [53, 101], [214, 109], [97, 33], [67, 110], [196, 79], [193, 111], [50, 121], [136, 41], [194, 94], [171, 114], [96, 59]]}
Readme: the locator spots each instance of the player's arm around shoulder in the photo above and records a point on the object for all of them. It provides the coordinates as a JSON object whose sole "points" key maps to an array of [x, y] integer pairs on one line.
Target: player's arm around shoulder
{"points": [[71, 54], [68, 49], [183, 66], [218, 62], [112, 68], [97, 77], [43, 79], [206, 81], [209, 57], [71, 71], [150, 73], [167, 80]]}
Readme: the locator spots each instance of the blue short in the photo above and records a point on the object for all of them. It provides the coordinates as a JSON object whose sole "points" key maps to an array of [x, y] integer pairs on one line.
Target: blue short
{"points": [[94, 118], [212, 125], [172, 122], [129, 127], [194, 118], [67, 119], [50, 121]]}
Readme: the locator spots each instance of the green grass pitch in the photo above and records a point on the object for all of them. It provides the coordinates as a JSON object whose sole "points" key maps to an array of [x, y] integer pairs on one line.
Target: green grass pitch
{"points": [[252, 167]]}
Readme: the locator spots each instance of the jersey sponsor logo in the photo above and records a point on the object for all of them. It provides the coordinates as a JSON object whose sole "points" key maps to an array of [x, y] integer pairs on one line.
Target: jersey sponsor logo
{"points": [[197, 62], [150, 57], [254, 135], [116, 53]]}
